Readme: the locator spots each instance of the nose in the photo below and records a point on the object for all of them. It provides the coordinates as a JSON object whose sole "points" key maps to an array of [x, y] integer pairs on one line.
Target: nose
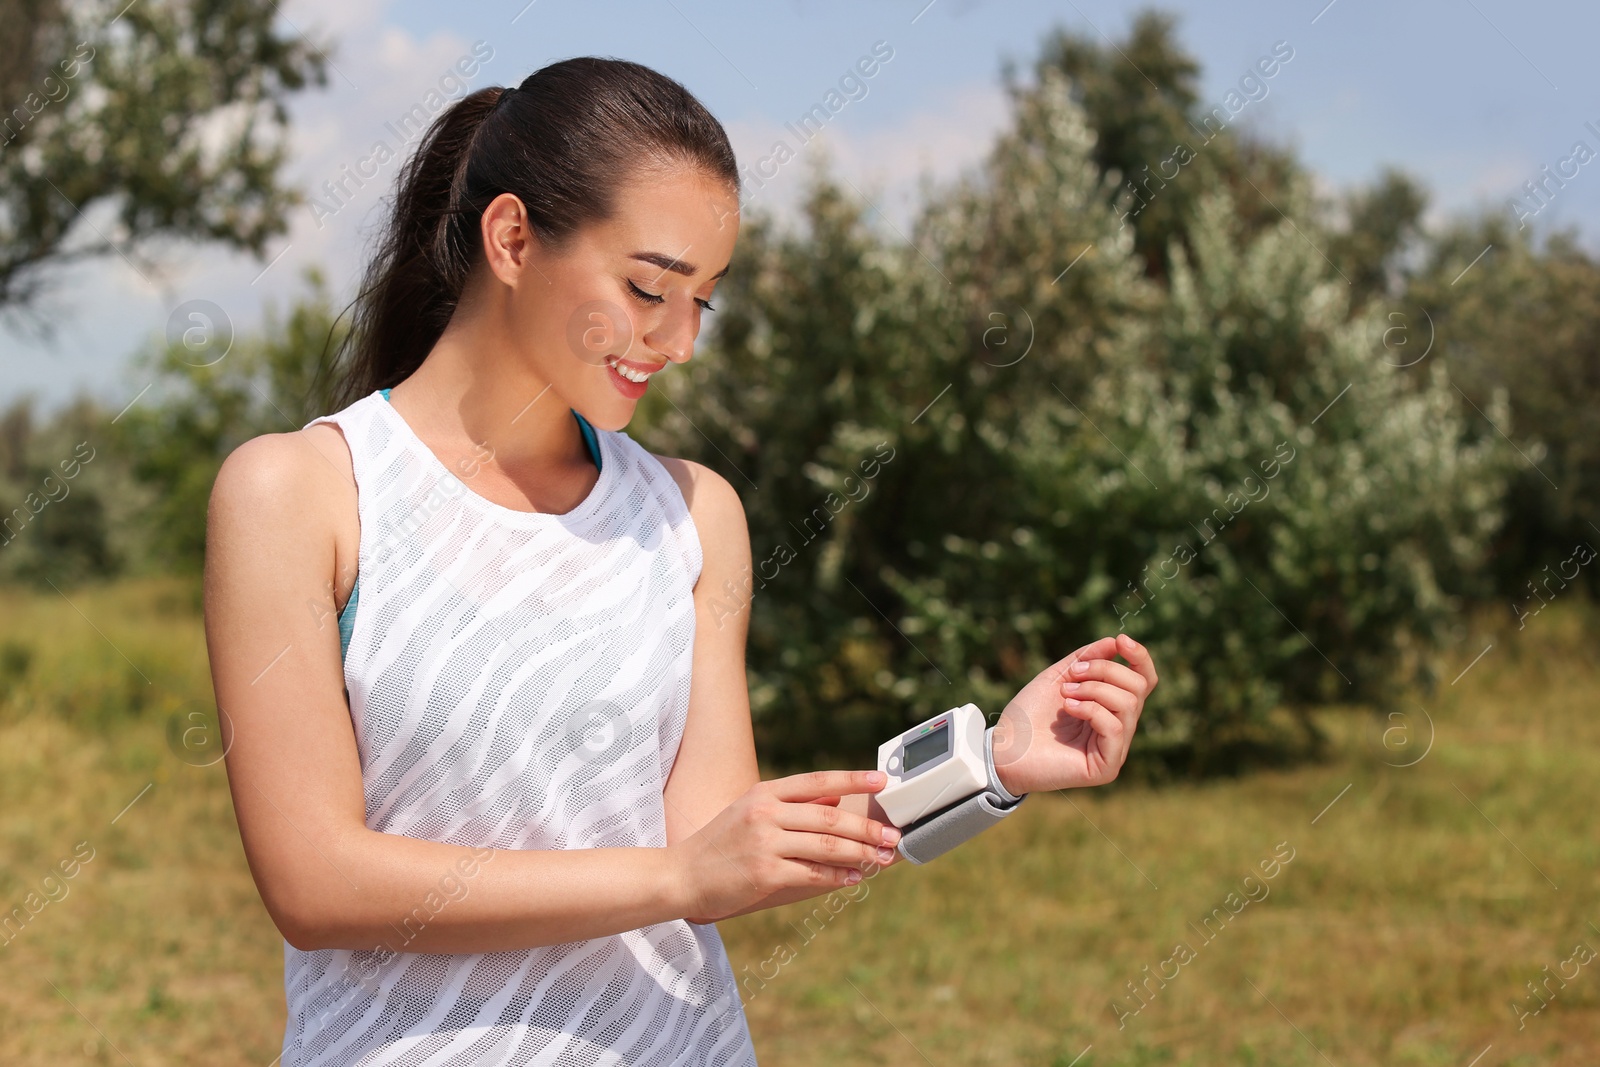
{"points": [[674, 336]]}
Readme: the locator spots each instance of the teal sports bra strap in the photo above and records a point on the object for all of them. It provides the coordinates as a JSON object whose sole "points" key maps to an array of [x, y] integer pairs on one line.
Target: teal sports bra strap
{"points": [[589, 438]]}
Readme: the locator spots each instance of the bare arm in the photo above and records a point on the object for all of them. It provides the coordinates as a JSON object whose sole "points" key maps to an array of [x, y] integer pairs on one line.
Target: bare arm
{"points": [[716, 761], [293, 767]]}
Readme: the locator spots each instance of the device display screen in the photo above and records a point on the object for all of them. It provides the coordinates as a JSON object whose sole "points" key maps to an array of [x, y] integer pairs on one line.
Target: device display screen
{"points": [[929, 746]]}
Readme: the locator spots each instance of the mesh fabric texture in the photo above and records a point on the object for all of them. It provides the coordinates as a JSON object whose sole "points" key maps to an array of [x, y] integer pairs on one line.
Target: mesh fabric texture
{"points": [[517, 680]]}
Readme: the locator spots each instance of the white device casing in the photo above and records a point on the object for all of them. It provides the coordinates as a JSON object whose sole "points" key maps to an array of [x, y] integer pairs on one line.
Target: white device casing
{"points": [[906, 799]]}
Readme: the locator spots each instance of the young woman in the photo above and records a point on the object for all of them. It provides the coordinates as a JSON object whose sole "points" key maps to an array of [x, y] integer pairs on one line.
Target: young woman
{"points": [[492, 760]]}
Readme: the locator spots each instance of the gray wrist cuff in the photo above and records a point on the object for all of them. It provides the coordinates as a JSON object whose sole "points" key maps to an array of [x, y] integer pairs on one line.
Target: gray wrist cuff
{"points": [[935, 834], [999, 790]]}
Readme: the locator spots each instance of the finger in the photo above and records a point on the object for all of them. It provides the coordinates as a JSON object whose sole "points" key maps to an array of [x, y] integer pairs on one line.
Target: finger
{"points": [[1108, 670], [813, 785], [833, 851], [893, 857], [812, 873], [1103, 722], [1104, 648], [1113, 697], [1124, 696], [1139, 656], [820, 819]]}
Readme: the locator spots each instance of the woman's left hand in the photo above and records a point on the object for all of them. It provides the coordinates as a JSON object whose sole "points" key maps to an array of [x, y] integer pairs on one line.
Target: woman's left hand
{"points": [[1072, 725]]}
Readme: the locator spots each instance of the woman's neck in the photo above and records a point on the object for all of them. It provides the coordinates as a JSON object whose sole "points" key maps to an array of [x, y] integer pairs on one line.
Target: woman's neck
{"points": [[472, 397]]}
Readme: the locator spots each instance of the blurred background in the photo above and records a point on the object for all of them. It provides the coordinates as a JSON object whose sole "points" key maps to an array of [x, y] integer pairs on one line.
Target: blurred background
{"points": [[1264, 332]]}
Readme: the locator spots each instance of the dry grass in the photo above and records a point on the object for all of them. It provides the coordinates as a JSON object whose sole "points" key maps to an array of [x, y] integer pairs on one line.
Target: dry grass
{"points": [[1411, 917]]}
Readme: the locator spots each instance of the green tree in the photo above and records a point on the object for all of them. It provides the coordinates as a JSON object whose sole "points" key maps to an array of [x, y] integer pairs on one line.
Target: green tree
{"points": [[88, 497], [1383, 222], [1524, 321], [1156, 138], [1058, 423], [59, 502], [204, 405], [165, 118], [1287, 516]]}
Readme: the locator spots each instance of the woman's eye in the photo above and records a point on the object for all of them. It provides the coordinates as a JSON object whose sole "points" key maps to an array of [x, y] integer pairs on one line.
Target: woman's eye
{"points": [[648, 298], [656, 298]]}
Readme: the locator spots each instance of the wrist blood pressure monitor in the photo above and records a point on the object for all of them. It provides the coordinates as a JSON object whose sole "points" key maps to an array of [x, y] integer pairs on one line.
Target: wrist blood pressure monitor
{"points": [[942, 787]]}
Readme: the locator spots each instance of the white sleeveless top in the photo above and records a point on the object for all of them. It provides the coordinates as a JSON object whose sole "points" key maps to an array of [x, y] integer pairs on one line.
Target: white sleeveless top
{"points": [[517, 680]]}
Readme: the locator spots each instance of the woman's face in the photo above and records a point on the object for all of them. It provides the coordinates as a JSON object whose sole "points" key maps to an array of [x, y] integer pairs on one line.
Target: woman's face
{"points": [[622, 300]]}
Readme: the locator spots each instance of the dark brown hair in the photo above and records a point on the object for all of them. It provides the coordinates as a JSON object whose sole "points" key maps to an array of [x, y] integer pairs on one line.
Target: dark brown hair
{"points": [[562, 142]]}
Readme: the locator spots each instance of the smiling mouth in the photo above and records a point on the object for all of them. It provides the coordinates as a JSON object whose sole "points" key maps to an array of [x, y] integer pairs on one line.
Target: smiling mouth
{"points": [[631, 371]]}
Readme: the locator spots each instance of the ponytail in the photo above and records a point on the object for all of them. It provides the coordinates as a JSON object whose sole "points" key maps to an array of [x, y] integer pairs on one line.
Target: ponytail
{"points": [[563, 142]]}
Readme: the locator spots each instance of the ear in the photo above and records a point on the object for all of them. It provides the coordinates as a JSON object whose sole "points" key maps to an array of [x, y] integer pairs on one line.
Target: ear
{"points": [[507, 238]]}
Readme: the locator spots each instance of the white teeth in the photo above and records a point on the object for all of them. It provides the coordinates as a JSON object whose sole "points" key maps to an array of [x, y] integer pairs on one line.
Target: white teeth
{"points": [[627, 372]]}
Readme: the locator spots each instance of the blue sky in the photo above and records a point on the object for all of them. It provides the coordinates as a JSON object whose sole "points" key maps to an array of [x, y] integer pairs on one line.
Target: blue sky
{"points": [[1470, 96]]}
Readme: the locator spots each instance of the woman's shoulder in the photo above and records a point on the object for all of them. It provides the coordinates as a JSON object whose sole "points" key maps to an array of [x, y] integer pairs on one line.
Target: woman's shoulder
{"points": [[705, 492], [713, 505], [276, 468], [295, 488]]}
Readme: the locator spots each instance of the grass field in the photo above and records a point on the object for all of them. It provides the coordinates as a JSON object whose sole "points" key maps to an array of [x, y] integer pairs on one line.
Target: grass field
{"points": [[1419, 904]]}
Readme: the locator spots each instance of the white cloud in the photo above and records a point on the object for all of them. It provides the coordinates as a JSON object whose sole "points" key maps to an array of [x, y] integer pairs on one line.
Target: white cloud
{"points": [[943, 139]]}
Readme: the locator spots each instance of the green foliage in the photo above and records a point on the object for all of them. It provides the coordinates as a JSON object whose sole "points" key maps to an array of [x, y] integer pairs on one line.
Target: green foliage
{"points": [[196, 415], [63, 502], [1158, 142], [91, 493], [1524, 322], [1040, 420], [1057, 434], [1301, 515], [170, 115], [1383, 221]]}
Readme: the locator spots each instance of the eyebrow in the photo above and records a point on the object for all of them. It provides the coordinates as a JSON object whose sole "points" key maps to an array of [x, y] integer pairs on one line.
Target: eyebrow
{"points": [[672, 263]]}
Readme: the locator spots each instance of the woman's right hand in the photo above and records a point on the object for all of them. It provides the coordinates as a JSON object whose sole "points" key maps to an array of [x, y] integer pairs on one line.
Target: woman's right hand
{"points": [[781, 834]]}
